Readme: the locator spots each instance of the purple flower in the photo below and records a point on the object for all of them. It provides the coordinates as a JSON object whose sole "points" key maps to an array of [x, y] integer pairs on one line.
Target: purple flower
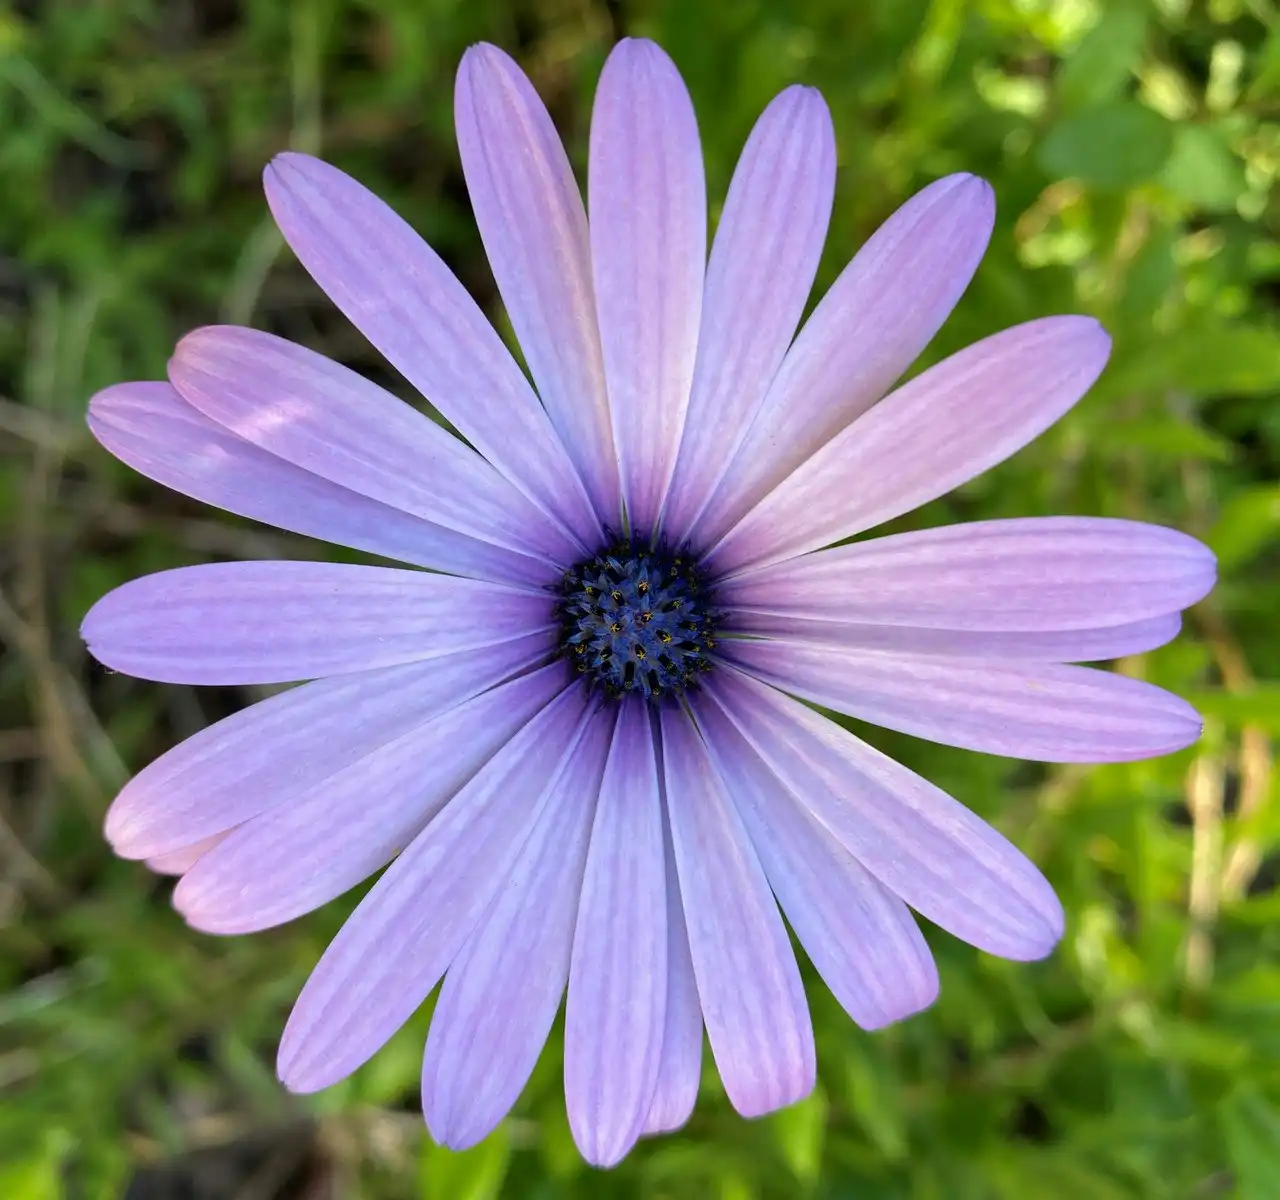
{"points": [[576, 734]]}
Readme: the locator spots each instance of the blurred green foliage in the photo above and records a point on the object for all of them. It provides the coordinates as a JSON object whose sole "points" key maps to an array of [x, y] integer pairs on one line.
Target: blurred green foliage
{"points": [[1133, 145]]}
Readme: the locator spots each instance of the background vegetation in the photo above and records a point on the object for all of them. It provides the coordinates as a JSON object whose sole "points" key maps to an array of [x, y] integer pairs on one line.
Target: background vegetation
{"points": [[1133, 145]]}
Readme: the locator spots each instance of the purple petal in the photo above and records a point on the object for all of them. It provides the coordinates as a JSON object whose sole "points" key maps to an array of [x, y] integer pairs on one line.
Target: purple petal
{"points": [[534, 228], [394, 288], [401, 939], [680, 1062], [180, 861], [1046, 712], [150, 427], [330, 421], [648, 253], [1034, 573], [870, 327], [752, 999], [500, 996], [934, 433], [282, 748], [919, 842], [1059, 645], [299, 855], [763, 261], [861, 938], [616, 1007], [276, 622]]}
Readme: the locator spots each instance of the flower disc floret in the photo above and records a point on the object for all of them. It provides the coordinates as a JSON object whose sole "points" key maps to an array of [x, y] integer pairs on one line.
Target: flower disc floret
{"points": [[638, 619]]}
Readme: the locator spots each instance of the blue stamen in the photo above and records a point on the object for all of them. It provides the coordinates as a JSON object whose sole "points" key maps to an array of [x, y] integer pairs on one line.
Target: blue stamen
{"points": [[638, 619]]}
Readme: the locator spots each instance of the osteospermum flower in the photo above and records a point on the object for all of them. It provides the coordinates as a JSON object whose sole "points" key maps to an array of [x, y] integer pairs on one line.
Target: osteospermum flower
{"points": [[576, 737]]}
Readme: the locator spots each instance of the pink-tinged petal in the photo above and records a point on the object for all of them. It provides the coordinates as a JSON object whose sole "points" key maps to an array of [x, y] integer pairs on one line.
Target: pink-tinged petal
{"points": [[616, 1007], [934, 433], [680, 1062], [1057, 645], [150, 427], [534, 229], [180, 861], [862, 939], [277, 622], [1046, 712], [1033, 573], [501, 995], [328, 420], [299, 855], [763, 261], [920, 843], [752, 999], [395, 289], [407, 931], [869, 328], [648, 203], [282, 748]]}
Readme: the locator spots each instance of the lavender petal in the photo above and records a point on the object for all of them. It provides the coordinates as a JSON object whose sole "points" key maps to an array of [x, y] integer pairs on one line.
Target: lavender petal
{"points": [[616, 1006], [1046, 712], [763, 262], [395, 289], [501, 994], [277, 622], [282, 748], [299, 855], [648, 253], [426, 905], [934, 433], [534, 229], [861, 938], [752, 999], [869, 328], [334, 423], [150, 427]]}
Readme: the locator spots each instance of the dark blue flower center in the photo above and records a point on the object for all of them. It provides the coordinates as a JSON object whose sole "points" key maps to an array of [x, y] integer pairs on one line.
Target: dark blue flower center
{"points": [[638, 619]]}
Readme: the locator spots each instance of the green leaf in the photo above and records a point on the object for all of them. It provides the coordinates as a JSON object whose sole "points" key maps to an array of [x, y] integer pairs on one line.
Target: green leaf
{"points": [[1250, 520], [1165, 437], [1260, 705], [1202, 170], [799, 1129], [1110, 146], [877, 1106], [1251, 1128], [1241, 360], [1103, 62], [474, 1174]]}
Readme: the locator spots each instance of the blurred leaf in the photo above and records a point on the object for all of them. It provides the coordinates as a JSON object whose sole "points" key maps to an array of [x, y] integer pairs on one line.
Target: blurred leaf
{"points": [[1164, 437], [1260, 705], [474, 1174], [40, 1176], [876, 1105], [800, 1129], [1103, 62], [1111, 146], [1207, 361], [1151, 276], [1248, 522], [1202, 170], [1251, 1126]]}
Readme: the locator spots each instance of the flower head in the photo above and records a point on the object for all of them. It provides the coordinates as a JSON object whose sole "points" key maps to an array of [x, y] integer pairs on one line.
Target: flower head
{"points": [[576, 737]]}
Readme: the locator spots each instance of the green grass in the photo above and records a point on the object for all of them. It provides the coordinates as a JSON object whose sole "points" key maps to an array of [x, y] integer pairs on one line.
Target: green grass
{"points": [[1133, 147]]}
